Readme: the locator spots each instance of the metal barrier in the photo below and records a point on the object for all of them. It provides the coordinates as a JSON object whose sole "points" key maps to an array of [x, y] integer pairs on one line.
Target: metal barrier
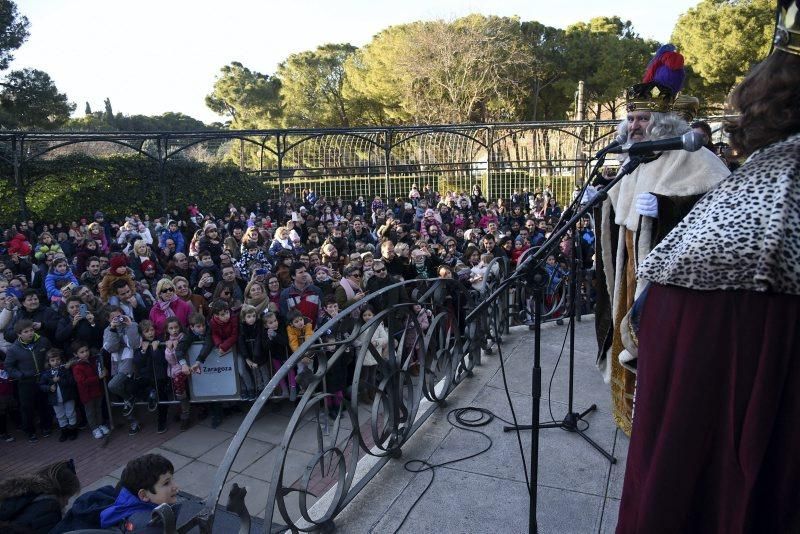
{"points": [[520, 306], [416, 371]]}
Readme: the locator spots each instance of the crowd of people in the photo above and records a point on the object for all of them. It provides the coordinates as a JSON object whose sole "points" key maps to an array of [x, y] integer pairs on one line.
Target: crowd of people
{"points": [[121, 301]]}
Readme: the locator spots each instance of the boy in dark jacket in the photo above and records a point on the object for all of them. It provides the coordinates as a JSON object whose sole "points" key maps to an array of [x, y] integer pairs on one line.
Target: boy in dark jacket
{"points": [[198, 332], [25, 361], [58, 383], [151, 368], [146, 482], [336, 375], [275, 348], [249, 352]]}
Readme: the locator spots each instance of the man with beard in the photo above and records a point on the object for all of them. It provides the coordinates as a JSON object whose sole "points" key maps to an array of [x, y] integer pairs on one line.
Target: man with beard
{"points": [[91, 277], [640, 211]]}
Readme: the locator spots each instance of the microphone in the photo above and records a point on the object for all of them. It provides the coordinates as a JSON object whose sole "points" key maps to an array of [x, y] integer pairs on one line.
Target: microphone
{"points": [[690, 141], [618, 141]]}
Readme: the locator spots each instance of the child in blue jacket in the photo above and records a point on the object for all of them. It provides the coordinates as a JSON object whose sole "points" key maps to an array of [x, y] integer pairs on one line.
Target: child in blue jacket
{"points": [[59, 270], [146, 482]]}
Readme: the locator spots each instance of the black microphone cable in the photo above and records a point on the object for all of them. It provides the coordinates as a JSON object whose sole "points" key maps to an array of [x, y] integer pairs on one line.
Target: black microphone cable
{"points": [[470, 418]]}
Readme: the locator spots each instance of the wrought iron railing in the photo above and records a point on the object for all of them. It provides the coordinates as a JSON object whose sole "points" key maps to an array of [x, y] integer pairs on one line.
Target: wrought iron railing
{"points": [[352, 442], [345, 163]]}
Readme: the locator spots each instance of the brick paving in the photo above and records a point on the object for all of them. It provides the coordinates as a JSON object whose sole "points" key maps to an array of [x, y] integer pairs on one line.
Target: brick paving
{"points": [[92, 460]]}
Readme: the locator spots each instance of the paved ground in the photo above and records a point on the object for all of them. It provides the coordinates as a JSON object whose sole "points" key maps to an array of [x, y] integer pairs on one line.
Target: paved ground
{"points": [[578, 488]]}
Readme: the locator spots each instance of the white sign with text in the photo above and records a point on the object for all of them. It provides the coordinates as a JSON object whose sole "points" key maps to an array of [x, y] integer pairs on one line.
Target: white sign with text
{"points": [[218, 379]]}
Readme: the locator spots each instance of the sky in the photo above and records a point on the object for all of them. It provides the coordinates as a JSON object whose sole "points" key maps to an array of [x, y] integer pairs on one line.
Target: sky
{"points": [[150, 57]]}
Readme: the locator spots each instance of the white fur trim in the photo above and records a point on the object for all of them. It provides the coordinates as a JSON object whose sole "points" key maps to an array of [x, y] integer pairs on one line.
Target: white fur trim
{"points": [[676, 173]]}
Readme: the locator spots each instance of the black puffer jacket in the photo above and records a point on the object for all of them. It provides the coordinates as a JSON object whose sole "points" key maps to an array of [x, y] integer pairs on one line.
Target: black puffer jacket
{"points": [[28, 504]]}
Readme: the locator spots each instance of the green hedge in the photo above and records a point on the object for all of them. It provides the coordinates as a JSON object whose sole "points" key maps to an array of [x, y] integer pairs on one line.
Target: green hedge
{"points": [[74, 186]]}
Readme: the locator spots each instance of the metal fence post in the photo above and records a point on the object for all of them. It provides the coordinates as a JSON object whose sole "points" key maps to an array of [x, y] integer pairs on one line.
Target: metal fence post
{"points": [[279, 145], [387, 147], [161, 145], [16, 148], [489, 161]]}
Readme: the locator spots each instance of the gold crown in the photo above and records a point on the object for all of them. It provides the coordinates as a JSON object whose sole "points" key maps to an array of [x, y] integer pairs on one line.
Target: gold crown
{"points": [[650, 96], [686, 106], [787, 28]]}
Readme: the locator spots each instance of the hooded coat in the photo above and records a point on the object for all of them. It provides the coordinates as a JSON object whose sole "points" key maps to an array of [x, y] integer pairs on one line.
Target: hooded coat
{"points": [[29, 503], [85, 511]]}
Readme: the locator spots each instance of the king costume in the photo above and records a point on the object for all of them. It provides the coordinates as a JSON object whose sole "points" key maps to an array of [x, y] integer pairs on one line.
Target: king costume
{"points": [[677, 179]]}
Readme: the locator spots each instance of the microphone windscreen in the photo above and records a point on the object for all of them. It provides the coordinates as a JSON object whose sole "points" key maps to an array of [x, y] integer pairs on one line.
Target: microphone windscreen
{"points": [[693, 141]]}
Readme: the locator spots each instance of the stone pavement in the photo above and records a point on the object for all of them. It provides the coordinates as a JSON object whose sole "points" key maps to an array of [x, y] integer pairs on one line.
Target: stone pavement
{"points": [[578, 489]]}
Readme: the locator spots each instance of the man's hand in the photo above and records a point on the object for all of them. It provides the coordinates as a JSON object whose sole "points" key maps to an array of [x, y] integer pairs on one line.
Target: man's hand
{"points": [[37, 326], [133, 302], [196, 369], [251, 364], [647, 205]]}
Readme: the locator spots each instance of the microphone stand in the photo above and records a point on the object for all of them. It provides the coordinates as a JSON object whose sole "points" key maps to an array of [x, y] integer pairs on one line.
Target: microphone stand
{"points": [[532, 272]]}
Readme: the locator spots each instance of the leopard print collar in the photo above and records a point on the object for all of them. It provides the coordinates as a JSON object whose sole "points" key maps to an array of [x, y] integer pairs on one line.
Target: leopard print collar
{"points": [[743, 235]]}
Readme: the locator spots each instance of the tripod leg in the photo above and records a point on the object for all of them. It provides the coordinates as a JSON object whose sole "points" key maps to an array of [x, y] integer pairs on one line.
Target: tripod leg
{"points": [[591, 408], [596, 446]]}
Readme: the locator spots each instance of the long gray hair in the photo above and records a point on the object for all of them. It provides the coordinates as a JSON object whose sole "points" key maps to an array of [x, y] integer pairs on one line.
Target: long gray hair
{"points": [[662, 126]]}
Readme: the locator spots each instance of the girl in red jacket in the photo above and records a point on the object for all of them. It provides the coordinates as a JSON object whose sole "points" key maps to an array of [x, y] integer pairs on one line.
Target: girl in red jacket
{"points": [[224, 331], [225, 336], [90, 389]]}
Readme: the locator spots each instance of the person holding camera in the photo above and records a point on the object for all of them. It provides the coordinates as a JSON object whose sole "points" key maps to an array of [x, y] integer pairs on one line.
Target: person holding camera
{"points": [[78, 323], [120, 339]]}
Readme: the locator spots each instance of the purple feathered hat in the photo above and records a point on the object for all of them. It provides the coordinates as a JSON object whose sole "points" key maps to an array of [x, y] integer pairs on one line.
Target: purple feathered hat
{"points": [[663, 79]]}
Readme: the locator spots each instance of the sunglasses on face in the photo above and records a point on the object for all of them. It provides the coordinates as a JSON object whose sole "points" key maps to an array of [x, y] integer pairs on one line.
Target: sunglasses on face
{"points": [[166, 290], [378, 271]]}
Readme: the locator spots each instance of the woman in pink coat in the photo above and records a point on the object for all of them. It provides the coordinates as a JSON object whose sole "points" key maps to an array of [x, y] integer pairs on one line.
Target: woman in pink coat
{"points": [[167, 305]]}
